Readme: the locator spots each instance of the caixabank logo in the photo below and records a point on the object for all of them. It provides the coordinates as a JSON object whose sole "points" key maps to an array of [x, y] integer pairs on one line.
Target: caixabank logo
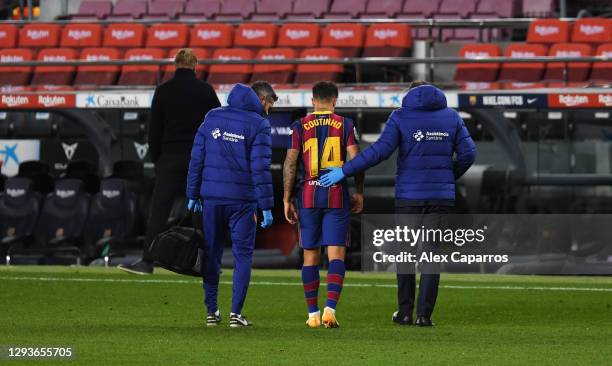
{"points": [[15, 152]]}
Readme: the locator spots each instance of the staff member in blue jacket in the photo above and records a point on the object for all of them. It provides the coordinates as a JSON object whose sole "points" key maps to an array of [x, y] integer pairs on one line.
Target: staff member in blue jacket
{"points": [[435, 149], [229, 178]]}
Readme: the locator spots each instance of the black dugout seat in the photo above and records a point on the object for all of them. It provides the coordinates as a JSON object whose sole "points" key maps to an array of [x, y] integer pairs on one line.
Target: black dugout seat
{"points": [[86, 172], [59, 232], [111, 227], [19, 209], [38, 172]]}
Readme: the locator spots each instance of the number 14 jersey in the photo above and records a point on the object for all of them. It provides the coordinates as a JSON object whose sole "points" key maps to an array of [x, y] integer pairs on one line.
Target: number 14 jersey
{"points": [[322, 139]]}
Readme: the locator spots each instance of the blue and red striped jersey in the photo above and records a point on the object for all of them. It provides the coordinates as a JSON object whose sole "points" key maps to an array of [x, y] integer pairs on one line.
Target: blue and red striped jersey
{"points": [[322, 139]]}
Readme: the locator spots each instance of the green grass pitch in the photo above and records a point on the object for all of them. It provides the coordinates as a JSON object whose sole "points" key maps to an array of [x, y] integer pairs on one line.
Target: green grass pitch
{"points": [[111, 318]]}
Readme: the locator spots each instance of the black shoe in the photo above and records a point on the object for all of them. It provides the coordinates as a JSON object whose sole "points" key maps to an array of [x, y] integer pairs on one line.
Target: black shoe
{"points": [[237, 321], [140, 268], [213, 319], [401, 319], [423, 321]]}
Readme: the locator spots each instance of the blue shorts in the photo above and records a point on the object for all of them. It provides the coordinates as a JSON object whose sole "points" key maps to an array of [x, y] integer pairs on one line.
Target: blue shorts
{"points": [[324, 226]]}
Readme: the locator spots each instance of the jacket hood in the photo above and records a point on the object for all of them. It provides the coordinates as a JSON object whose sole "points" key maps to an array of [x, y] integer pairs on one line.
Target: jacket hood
{"points": [[424, 97], [243, 97]]}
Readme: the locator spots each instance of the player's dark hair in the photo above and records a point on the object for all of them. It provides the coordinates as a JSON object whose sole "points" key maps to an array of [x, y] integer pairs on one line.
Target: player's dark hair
{"points": [[416, 83], [263, 89], [324, 91]]}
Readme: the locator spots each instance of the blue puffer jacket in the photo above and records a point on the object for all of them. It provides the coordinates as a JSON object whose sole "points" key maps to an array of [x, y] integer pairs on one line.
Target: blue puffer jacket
{"points": [[435, 148], [231, 154]]}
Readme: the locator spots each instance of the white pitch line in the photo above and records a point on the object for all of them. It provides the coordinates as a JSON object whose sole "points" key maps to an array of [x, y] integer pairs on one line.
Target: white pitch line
{"points": [[269, 283]]}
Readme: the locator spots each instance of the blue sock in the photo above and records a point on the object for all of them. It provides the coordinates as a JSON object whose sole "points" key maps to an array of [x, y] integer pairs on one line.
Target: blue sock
{"points": [[310, 280], [335, 278]]}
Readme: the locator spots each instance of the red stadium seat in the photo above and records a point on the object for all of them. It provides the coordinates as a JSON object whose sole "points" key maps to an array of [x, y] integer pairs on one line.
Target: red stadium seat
{"points": [[15, 75], [387, 40], [481, 72], [35, 35], [592, 30], [230, 74], [523, 85], [348, 38], [576, 71], [255, 35], [523, 72], [8, 36], [124, 35], [299, 35], [167, 35], [201, 54], [548, 31], [212, 36], [54, 75], [602, 71], [100, 74], [274, 73], [307, 74], [79, 35], [141, 74]]}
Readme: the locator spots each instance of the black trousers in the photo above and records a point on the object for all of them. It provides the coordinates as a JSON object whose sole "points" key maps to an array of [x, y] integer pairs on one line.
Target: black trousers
{"points": [[430, 217], [170, 183]]}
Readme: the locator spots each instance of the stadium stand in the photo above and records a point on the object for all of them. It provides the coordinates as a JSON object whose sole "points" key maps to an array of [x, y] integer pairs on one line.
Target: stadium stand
{"points": [[592, 30], [308, 9], [387, 40], [54, 75], [576, 71], [141, 74], [36, 35], [124, 35], [97, 74], [272, 9], [546, 31], [236, 10], [15, 75], [128, 9], [307, 74], [382, 9], [80, 35], [277, 73], [93, 9], [164, 9], [347, 38], [212, 36], [299, 35], [167, 35], [255, 35], [231, 74], [602, 71], [198, 9], [346, 9], [478, 72], [523, 72], [8, 36]]}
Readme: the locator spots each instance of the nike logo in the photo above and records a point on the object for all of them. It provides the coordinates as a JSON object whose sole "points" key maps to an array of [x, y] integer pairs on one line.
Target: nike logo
{"points": [[531, 100]]}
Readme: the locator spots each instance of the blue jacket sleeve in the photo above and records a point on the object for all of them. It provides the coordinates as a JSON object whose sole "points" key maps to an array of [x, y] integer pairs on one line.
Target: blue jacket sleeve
{"points": [[377, 152], [261, 158], [465, 149], [196, 165]]}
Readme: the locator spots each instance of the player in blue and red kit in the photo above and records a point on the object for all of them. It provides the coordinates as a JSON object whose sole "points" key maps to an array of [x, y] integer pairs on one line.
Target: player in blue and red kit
{"points": [[320, 141]]}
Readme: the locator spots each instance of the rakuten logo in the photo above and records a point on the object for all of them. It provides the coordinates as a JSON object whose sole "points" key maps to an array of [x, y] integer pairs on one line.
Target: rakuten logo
{"points": [[590, 30], [522, 54], [477, 54], [15, 192], [546, 30], [2, 34], [97, 58], [53, 58], [15, 100], [11, 58], [51, 100], [165, 34], [65, 193], [110, 194], [36, 34], [341, 34], [253, 33], [317, 57], [141, 57], [225, 57], [78, 34], [573, 100], [297, 34], [385, 33], [605, 99], [121, 34], [209, 34], [568, 53], [273, 57]]}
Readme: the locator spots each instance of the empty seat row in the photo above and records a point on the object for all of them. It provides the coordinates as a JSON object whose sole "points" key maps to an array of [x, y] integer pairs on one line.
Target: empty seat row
{"points": [[349, 37], [153, 74], [536, 71], [301, 9], [584, 30]]}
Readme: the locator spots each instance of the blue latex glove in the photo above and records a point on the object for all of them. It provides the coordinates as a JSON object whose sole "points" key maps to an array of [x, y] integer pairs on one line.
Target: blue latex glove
{"points": [[194, 206], [267, 219], [334, 176]]}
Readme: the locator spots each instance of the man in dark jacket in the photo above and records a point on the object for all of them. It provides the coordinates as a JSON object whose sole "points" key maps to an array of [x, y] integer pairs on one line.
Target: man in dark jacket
{"points": [[229, 178], [435, 149], [177, 109]]}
